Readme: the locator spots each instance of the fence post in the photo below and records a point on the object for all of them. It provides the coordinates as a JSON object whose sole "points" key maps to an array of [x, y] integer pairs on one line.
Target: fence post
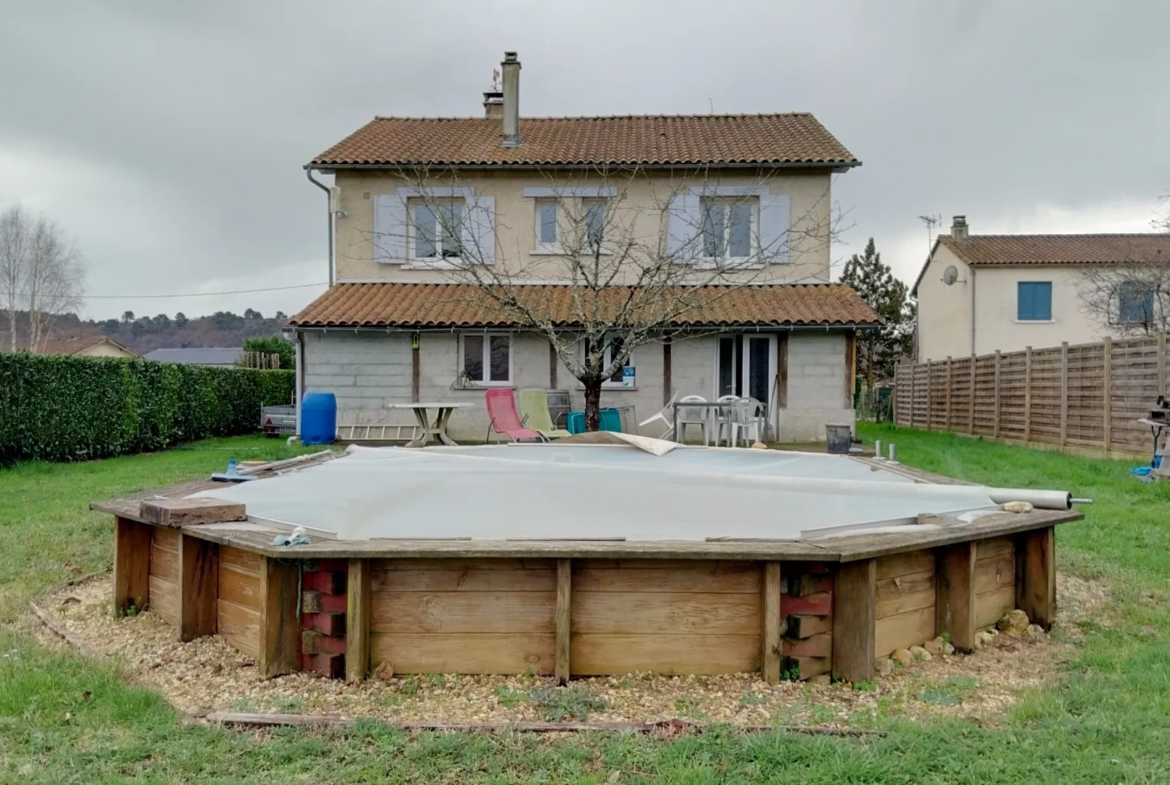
{"points": [[1028, 394], [1107, 402], [1063, 393], [995, 431], [947, 426], [929, 392], [1162, 364], [971, 396]]}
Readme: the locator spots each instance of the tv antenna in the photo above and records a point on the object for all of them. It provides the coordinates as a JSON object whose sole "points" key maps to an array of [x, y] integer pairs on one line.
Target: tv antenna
{"points": [[495, 80], [930, 221]]}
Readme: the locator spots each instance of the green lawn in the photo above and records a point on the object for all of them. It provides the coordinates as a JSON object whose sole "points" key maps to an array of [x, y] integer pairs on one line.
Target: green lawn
{"points": [[1107, 719]]}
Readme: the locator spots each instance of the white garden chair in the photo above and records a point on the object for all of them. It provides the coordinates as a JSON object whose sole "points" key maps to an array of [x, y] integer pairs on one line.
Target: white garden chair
{"points": [[692, 415], [723, 420], [745, 421], [666, 417]]}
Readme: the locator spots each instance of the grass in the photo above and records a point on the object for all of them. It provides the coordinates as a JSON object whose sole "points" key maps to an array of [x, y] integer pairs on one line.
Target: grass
{"points": [[64, 719]]}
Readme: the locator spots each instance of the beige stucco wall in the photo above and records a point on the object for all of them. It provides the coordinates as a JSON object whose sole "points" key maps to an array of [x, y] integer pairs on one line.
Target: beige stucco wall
{"points": [[944, 312], [105, 350], [639, 207]]}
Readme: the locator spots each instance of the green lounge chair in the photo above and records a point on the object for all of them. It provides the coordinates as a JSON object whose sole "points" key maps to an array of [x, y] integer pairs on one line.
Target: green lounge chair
{"points": [[535, 415]]}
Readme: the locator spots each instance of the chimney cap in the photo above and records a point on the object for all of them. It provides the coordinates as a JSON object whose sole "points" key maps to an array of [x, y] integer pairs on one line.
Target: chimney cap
{"points": [[510, 57], [960, 220]]}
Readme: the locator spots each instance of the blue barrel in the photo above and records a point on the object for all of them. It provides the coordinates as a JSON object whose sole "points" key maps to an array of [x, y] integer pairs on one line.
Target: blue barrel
{"points": [[318, 418]]}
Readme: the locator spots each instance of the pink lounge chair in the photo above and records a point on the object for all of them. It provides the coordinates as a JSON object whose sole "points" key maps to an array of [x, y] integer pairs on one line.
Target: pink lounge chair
{"points": [[504, 420]]}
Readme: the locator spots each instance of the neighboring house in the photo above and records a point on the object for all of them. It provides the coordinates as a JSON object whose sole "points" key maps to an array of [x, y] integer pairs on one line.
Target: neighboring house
{"points": [[196, 356], [397, 327], [91, 346], [979, 293]]}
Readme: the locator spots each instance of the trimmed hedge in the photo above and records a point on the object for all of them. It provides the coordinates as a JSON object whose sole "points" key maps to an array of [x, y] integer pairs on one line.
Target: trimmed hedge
{"points": [[61, 408]]}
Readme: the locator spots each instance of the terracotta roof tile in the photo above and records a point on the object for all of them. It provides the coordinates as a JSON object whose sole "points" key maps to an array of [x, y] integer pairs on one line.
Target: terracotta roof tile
{"points": [[75, 345], [796, 138], [1013, 249], [406, 305]]}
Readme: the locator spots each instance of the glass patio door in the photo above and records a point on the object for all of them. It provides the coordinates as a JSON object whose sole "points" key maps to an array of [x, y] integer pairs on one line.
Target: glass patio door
{"points": [[759, 367]]}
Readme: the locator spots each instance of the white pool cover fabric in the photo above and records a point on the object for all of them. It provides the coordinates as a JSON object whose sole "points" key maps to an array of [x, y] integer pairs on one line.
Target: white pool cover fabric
{"points": [[582, 492]]}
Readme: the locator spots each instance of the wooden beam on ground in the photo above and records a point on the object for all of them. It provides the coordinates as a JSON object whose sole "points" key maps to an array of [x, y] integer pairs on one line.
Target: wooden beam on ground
{"points": [[357, 620], [280, 629], [561, 665], [198, 587], [189, 512], [954, 589], [1036, 575], [770, 661], [854, 619], [131, 565]]}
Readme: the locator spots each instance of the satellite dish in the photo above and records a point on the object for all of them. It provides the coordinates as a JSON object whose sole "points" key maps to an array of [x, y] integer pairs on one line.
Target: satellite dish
{"points": [[950, 275]]}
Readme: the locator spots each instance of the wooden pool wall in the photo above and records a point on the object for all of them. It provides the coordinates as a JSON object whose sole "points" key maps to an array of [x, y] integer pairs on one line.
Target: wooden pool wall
{"points": [[580, 617]]}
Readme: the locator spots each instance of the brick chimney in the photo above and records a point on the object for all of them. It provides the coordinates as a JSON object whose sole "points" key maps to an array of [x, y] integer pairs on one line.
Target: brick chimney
{"points": [[510, 132], [959, 228]]}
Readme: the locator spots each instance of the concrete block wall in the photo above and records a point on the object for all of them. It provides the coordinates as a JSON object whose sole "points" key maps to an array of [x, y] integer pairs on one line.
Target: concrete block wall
{"points": [[368, 370], [816, 386]]}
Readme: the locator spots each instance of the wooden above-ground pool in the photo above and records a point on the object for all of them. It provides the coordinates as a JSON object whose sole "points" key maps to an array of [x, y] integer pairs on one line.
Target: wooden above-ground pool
{"points": [[832, 600]]}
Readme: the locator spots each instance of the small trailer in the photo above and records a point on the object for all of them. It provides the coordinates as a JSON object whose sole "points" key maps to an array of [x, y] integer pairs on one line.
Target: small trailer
{"points": [[278, 420]]}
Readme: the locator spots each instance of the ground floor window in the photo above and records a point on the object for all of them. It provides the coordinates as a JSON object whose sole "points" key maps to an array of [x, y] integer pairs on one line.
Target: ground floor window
{"points": [[613, 348], [486, 358]]}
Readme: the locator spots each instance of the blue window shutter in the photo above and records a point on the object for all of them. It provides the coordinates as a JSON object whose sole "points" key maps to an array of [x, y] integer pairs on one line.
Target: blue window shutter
{"points": [[1034, 301], [1044, 301], [389, 228], [775, 221], [682, 227], [1024, 306], [479, 228]]}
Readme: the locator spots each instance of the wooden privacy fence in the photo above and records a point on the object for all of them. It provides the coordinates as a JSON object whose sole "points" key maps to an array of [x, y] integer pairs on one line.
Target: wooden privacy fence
{"points": [[1088, 396]]}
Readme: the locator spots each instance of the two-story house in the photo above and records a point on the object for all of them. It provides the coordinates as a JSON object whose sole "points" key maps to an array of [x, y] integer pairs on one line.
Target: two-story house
{"points": [[978, 293], [734, 211]]}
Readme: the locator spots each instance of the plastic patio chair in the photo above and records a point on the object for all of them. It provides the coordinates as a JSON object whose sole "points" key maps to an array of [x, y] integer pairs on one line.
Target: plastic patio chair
{"points": [[688, 415], [534, 414], [723, 420], [503, 419], [666, 417], [745, 421]]}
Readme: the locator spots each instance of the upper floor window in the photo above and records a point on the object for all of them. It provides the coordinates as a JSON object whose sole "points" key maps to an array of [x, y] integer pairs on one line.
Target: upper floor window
{"points": [[486, 359], [548, 225], [1136, 302], [1034, 301], [594, 213], [437, 229], [727, 228]]}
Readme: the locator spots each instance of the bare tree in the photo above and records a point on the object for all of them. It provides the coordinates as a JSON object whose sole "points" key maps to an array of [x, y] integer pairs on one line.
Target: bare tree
{"points": [[1132, 298], [40, 272], [636, 255], [14, 249]]}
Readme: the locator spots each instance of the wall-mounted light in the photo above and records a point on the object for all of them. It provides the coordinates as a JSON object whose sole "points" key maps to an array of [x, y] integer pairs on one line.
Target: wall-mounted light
{"points": [[415, 339]]}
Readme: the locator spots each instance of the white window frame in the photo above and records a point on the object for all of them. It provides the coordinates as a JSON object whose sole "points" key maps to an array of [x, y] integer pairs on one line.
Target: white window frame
{"points": [[438, 260], [543, 247], [487, 358], [753, 230], [609, 384]]}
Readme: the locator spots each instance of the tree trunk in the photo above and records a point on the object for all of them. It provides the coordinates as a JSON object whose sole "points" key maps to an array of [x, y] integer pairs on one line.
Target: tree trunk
{"points": [[592, 405]]}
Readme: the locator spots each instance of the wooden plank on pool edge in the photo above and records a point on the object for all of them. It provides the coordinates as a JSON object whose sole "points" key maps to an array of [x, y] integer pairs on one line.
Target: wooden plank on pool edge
{"points": [[654, 613], [280, 629], [605, 654], [357, 620], [563, 619], [198, 588], [854, 619], [770, 661], [485, 653], [131, 565], [955, 613], [1035, 587]]}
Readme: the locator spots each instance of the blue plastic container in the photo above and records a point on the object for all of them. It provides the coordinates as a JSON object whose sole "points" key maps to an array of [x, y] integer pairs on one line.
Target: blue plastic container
{"points": [[608, 420], [318, 418]]}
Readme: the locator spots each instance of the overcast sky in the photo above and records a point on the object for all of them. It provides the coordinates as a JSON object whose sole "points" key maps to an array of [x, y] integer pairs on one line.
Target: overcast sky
{"points": [[168, 138]]}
